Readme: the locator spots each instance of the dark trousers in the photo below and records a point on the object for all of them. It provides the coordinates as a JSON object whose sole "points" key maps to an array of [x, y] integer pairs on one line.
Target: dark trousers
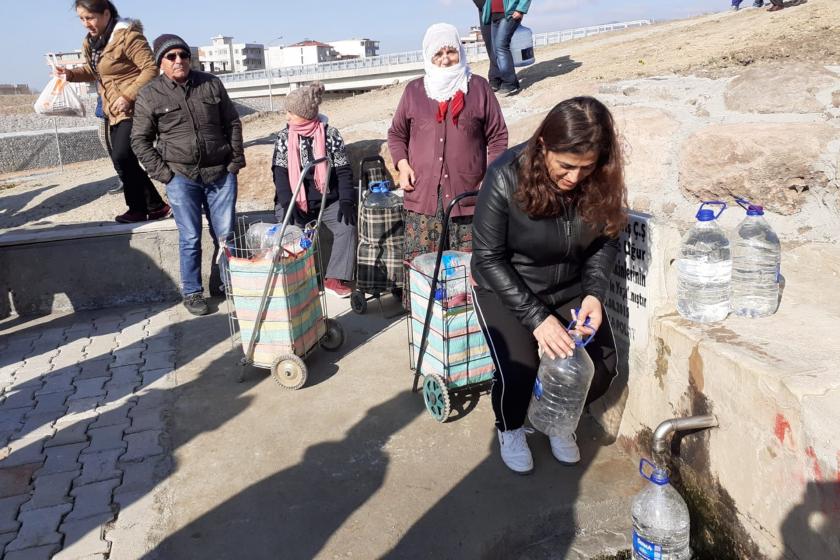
{"points": [[493, 74], [140, 194], [514, 351]]}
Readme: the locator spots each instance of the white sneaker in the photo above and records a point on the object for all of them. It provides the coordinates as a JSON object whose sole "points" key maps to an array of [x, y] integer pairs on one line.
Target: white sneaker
{"points": [[515, 451], [565, 449]]}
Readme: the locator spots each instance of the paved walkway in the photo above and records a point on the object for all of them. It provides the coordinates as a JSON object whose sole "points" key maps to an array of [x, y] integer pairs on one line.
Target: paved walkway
{"points": [[127, 436], [81, 419]]}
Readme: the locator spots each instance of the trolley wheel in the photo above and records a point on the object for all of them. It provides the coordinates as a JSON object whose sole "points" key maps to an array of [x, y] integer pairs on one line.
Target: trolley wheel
{"points": [[436, 396], [289, 372], [333, 337], [358, 302]]}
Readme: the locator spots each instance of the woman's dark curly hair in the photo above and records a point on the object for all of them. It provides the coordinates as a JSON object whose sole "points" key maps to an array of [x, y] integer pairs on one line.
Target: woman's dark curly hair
{"points": [[579, 125]]}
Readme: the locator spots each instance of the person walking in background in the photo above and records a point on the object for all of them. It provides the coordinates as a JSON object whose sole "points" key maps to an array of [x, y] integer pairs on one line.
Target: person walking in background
{"points": [[306, 138], [447, 127], [545, 239], [188, 135], [503, 17], [487, 37], [118, 58]]}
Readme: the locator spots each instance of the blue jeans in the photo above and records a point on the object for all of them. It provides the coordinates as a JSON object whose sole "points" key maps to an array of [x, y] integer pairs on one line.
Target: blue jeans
{"points": [[502, 32], [189, 200]]}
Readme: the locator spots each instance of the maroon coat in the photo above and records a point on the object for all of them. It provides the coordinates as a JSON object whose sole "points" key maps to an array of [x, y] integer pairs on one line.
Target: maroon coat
{"points": [[454, 157]]}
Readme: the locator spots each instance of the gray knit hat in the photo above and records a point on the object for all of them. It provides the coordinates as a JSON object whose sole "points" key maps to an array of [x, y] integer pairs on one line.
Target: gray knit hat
{"points": [[167, 42], [304, 101]]}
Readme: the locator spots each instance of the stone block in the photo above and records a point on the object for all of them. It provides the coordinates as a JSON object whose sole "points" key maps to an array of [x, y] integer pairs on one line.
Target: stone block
{"points": [[84, 539], [795, 86], [39, 527], [9, 508], [128, 356], [146, 418], [107, 438], [755, 161], [36, 553], [112, 413], [99, 466], [81, 409], [19, 396], [71, 429], [88, 388], [93, 500], [158, 361], [95, 368], [59, 380], [51, 403], [125, 374], [24, 451], [647, 138], [143, 476], [62, 458], [51, 490], [16, 481], [38, 426], [119, 392], [142, 445]]}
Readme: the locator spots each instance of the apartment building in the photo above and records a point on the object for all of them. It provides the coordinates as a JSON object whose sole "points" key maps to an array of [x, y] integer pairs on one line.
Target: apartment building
{"points": [[223, 56], [356, 48], [300, 54]]}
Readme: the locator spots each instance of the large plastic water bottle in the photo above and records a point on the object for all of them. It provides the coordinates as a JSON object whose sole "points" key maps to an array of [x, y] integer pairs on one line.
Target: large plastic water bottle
{"points": [[522, 46], [452, 277], [661, 523], [704, 269], [561, 388], [380, 196], [261, 237], [756, 259]]}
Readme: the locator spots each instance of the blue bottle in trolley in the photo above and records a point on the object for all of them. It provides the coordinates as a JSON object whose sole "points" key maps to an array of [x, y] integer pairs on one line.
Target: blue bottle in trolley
{"points": [[661, 524], [756, 261], [561, 388], [704, 268]]}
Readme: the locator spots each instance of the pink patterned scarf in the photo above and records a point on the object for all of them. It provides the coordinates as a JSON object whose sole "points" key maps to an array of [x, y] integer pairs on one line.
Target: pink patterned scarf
{"points": [[316, 130]]}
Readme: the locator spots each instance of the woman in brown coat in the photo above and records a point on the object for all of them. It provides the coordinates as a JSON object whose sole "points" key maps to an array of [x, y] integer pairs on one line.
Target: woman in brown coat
{"points": [[120, 61]]}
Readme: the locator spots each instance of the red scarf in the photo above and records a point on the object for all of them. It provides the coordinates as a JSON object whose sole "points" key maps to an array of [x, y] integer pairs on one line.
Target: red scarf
{"points": [[454, 105]]}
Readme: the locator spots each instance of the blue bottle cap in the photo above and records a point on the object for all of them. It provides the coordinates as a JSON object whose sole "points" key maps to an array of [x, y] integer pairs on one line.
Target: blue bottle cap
{"points": [[705, 215], [755, 210], [657, 475]]}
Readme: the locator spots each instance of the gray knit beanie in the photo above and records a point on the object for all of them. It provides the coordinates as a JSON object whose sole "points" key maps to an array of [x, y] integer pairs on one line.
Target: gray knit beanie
{"points": [[304, 101], [166, 43]]}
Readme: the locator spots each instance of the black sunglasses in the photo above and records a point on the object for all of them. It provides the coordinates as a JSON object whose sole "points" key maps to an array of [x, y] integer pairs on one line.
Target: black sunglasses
{"points": [[184, 55]]}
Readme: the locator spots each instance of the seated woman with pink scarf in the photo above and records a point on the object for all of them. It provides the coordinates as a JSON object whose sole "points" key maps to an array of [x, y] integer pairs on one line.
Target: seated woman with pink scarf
{"points": [[307, 138]]}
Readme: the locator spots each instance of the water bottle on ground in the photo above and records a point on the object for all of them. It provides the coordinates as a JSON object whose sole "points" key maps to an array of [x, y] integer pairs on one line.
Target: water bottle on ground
{"points": [[380, 196], [661, 522], [756, 261], [561, 388], [704, 269]]}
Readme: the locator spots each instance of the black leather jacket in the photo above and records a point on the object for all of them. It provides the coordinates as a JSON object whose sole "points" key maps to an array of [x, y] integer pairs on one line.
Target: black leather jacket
{"points": [[534, 265]]}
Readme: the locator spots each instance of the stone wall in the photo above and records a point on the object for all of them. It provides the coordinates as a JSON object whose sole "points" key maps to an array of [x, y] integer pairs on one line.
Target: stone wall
{"points": [[38, 149], [766, 482]]}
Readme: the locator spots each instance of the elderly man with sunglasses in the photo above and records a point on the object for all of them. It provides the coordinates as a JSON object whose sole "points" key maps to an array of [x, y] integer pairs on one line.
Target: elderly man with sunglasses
{"points": [[188, 135]]}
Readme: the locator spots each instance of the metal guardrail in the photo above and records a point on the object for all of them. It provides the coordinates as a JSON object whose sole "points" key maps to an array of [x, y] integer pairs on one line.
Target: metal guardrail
{"points": [[474, 52]]}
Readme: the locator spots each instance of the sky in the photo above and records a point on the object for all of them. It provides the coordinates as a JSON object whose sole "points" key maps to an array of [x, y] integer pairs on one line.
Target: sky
{"points": [[26, 32]]}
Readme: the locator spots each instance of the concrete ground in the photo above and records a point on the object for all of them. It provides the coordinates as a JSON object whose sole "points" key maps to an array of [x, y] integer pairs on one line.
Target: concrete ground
{"points": [[351, 465]]}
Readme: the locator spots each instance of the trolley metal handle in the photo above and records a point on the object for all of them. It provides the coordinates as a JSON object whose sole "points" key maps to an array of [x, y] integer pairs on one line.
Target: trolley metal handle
{"points": [[276, 253], [444, 239]]}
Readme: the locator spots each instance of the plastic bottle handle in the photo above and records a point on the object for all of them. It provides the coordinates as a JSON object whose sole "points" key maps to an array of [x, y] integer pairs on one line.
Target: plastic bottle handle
{"points": [[653, 469], [585, 324], [720, 203]]}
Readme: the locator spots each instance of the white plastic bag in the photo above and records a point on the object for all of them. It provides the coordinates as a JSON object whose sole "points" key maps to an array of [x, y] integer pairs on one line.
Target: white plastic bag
{"points": [[59, 100]]}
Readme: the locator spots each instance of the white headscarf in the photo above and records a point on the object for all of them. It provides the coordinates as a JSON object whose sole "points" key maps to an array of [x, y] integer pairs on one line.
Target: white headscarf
{"points": [[442, 83]]}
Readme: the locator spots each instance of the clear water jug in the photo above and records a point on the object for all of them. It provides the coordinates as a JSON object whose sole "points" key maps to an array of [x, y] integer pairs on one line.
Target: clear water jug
{"points": [[261, 237], [661, 524], [453, 274], [380, 196], [561, 388], [522, 46], [704, 269], [756, 261]]}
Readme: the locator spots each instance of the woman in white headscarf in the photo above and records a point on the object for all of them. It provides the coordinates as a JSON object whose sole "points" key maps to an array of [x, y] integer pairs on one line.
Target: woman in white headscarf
{"points": [[447, 128]]}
